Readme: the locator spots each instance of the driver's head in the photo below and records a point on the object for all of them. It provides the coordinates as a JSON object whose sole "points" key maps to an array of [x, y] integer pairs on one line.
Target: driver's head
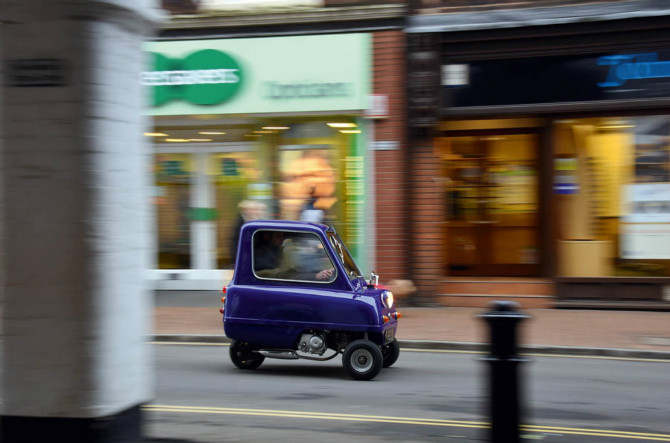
{"points": [[275, 238]]}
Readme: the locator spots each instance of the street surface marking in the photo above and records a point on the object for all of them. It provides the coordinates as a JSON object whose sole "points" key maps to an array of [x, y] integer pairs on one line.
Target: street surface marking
{"points": [[405, 420], [187, 343], [531, 354]]}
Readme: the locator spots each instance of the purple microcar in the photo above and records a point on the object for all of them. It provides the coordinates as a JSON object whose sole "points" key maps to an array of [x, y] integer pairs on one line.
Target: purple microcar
{"points": [[297, 293]]}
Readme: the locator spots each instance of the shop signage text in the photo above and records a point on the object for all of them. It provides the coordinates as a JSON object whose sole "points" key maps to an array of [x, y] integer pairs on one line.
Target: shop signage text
{"points": [[279, 90], [633, 67], [35, 72], [197, 77], [205, 77]]}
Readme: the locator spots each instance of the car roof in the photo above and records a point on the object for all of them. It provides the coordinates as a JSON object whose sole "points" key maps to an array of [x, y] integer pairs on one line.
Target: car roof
{"points": [[285, 224]]}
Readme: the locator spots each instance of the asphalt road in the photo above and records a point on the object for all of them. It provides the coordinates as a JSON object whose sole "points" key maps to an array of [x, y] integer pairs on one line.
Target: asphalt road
{"points": [[425, 396]]}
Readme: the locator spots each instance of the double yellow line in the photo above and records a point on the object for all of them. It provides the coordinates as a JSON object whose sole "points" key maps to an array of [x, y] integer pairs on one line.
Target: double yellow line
{"points": [[403, 420]]}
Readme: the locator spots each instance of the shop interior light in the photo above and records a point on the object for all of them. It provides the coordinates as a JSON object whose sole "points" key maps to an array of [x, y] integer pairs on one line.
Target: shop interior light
{"points": [[176, 140], [342, 125], [212, 133], [275, 128], [616, 126], [351, 131], [263, 132], [155, 134], [200, 139]]}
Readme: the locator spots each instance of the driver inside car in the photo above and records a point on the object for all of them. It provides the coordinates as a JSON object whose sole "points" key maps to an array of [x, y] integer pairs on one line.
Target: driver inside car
{"points": [[276, 256]]}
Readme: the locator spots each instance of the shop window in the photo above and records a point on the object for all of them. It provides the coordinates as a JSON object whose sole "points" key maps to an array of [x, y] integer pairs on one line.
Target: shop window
{"points": [[224, 174], [612, 191], [172, 200], [233, 174], [491, 195]]}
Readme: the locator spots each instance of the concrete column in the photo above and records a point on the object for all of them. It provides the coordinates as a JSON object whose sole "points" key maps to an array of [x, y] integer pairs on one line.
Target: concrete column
{"points": [[75, 220]]}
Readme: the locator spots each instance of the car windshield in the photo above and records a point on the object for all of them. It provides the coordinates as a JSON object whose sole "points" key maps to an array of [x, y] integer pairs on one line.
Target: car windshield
{"points": [[343, 255]]}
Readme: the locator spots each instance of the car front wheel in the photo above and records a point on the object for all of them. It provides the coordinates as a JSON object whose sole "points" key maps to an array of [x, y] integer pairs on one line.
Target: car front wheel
{"points": [[362, 359], [390, 353], [243, 356]]}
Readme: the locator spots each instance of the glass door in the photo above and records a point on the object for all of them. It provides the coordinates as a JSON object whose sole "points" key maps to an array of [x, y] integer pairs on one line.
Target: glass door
{"points": [[492, 191]]}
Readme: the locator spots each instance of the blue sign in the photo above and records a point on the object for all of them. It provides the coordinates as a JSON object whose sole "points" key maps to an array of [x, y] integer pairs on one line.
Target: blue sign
{"points": [[560, 79], [633, 67]]}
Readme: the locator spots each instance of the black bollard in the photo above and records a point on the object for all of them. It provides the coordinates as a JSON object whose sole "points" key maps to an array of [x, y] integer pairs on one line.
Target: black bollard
{"points": [[503, 383]]}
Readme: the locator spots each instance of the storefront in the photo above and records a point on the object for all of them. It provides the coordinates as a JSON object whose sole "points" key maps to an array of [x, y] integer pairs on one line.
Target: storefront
{"points": [[554, 160], [254, 127]]}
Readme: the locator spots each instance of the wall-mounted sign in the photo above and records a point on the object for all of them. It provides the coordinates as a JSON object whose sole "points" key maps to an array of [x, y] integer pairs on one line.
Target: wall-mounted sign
{"points": [[540, 80], [648, 203], [565, 176], [379, 106], [455, 75], [633, 67], [205, 77], [252, 75], [35, 72], [380, 145], [645, 241]]}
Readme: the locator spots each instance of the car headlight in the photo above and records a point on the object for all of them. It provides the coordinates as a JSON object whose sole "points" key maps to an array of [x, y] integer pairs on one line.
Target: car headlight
{"points": [[387, 298]]}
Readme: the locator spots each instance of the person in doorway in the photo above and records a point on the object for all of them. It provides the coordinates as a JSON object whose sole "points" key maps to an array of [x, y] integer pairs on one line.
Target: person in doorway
{"points": [[249, 210]]}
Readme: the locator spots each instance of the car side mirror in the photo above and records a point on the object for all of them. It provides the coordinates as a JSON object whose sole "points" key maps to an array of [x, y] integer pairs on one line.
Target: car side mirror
{"points": [[374, 278]]}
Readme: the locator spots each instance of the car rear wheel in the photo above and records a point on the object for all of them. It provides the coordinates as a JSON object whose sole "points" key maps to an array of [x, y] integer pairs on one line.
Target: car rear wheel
{"points": [[390, 353], [243, 355], [362, 359]]}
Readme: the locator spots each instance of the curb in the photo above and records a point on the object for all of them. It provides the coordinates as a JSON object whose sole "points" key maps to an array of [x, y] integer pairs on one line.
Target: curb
{"points": [[456, 346]]}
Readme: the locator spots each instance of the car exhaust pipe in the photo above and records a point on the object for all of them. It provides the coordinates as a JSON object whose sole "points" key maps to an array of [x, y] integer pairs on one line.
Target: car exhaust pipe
{"points": [[283, 355]]}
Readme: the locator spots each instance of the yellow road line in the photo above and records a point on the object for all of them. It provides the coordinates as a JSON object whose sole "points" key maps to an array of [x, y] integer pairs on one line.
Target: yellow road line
{"points": [[405, 420], [601, 357], [187, 343]]}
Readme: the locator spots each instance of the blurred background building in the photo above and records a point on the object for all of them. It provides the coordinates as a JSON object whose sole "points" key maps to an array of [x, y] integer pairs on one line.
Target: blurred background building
{"points": [[480, 148], [308, 105], [539, 148]]}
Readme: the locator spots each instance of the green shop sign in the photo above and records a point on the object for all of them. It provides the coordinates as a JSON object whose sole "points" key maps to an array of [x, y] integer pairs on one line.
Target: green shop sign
{"points": [[259, 75], [206, 77]]}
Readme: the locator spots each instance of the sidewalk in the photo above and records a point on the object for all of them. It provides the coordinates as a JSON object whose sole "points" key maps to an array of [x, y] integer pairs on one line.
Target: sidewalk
{"points": [[548, 330]]}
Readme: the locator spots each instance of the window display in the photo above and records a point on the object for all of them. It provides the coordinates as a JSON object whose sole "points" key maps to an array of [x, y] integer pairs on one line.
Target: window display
{"points": [[491, 192], [615, 219], [172, 199], [210, 178]]}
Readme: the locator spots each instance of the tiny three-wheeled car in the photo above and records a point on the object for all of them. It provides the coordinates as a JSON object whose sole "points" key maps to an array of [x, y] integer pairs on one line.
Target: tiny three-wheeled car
{"points": [[297, 293]]}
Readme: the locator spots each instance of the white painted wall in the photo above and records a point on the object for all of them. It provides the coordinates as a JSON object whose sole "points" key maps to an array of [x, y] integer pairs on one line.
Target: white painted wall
{"points": [[75, 215]]}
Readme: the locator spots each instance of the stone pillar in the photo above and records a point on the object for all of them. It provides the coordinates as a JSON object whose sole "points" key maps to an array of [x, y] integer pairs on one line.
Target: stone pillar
{"points": [[75, 220]]}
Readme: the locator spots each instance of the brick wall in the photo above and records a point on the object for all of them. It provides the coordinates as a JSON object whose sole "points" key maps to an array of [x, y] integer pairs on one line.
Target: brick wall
{"points": [[390, 166], [427, 216]]}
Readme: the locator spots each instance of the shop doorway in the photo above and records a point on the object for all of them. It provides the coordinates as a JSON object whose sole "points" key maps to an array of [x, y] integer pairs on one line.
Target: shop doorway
{"points": [[491, 190]]}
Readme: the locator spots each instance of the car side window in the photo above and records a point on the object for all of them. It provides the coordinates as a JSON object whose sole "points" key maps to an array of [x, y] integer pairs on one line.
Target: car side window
{"points": [[287, 255]]}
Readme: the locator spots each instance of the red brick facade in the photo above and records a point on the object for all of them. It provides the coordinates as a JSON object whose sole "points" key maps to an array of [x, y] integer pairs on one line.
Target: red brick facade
{"points": [[409, 209], [427, 219], [390, 165]]}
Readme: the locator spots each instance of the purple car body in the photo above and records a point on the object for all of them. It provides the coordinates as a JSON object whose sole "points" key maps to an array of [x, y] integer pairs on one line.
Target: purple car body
{"points": [[300, 318]]}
